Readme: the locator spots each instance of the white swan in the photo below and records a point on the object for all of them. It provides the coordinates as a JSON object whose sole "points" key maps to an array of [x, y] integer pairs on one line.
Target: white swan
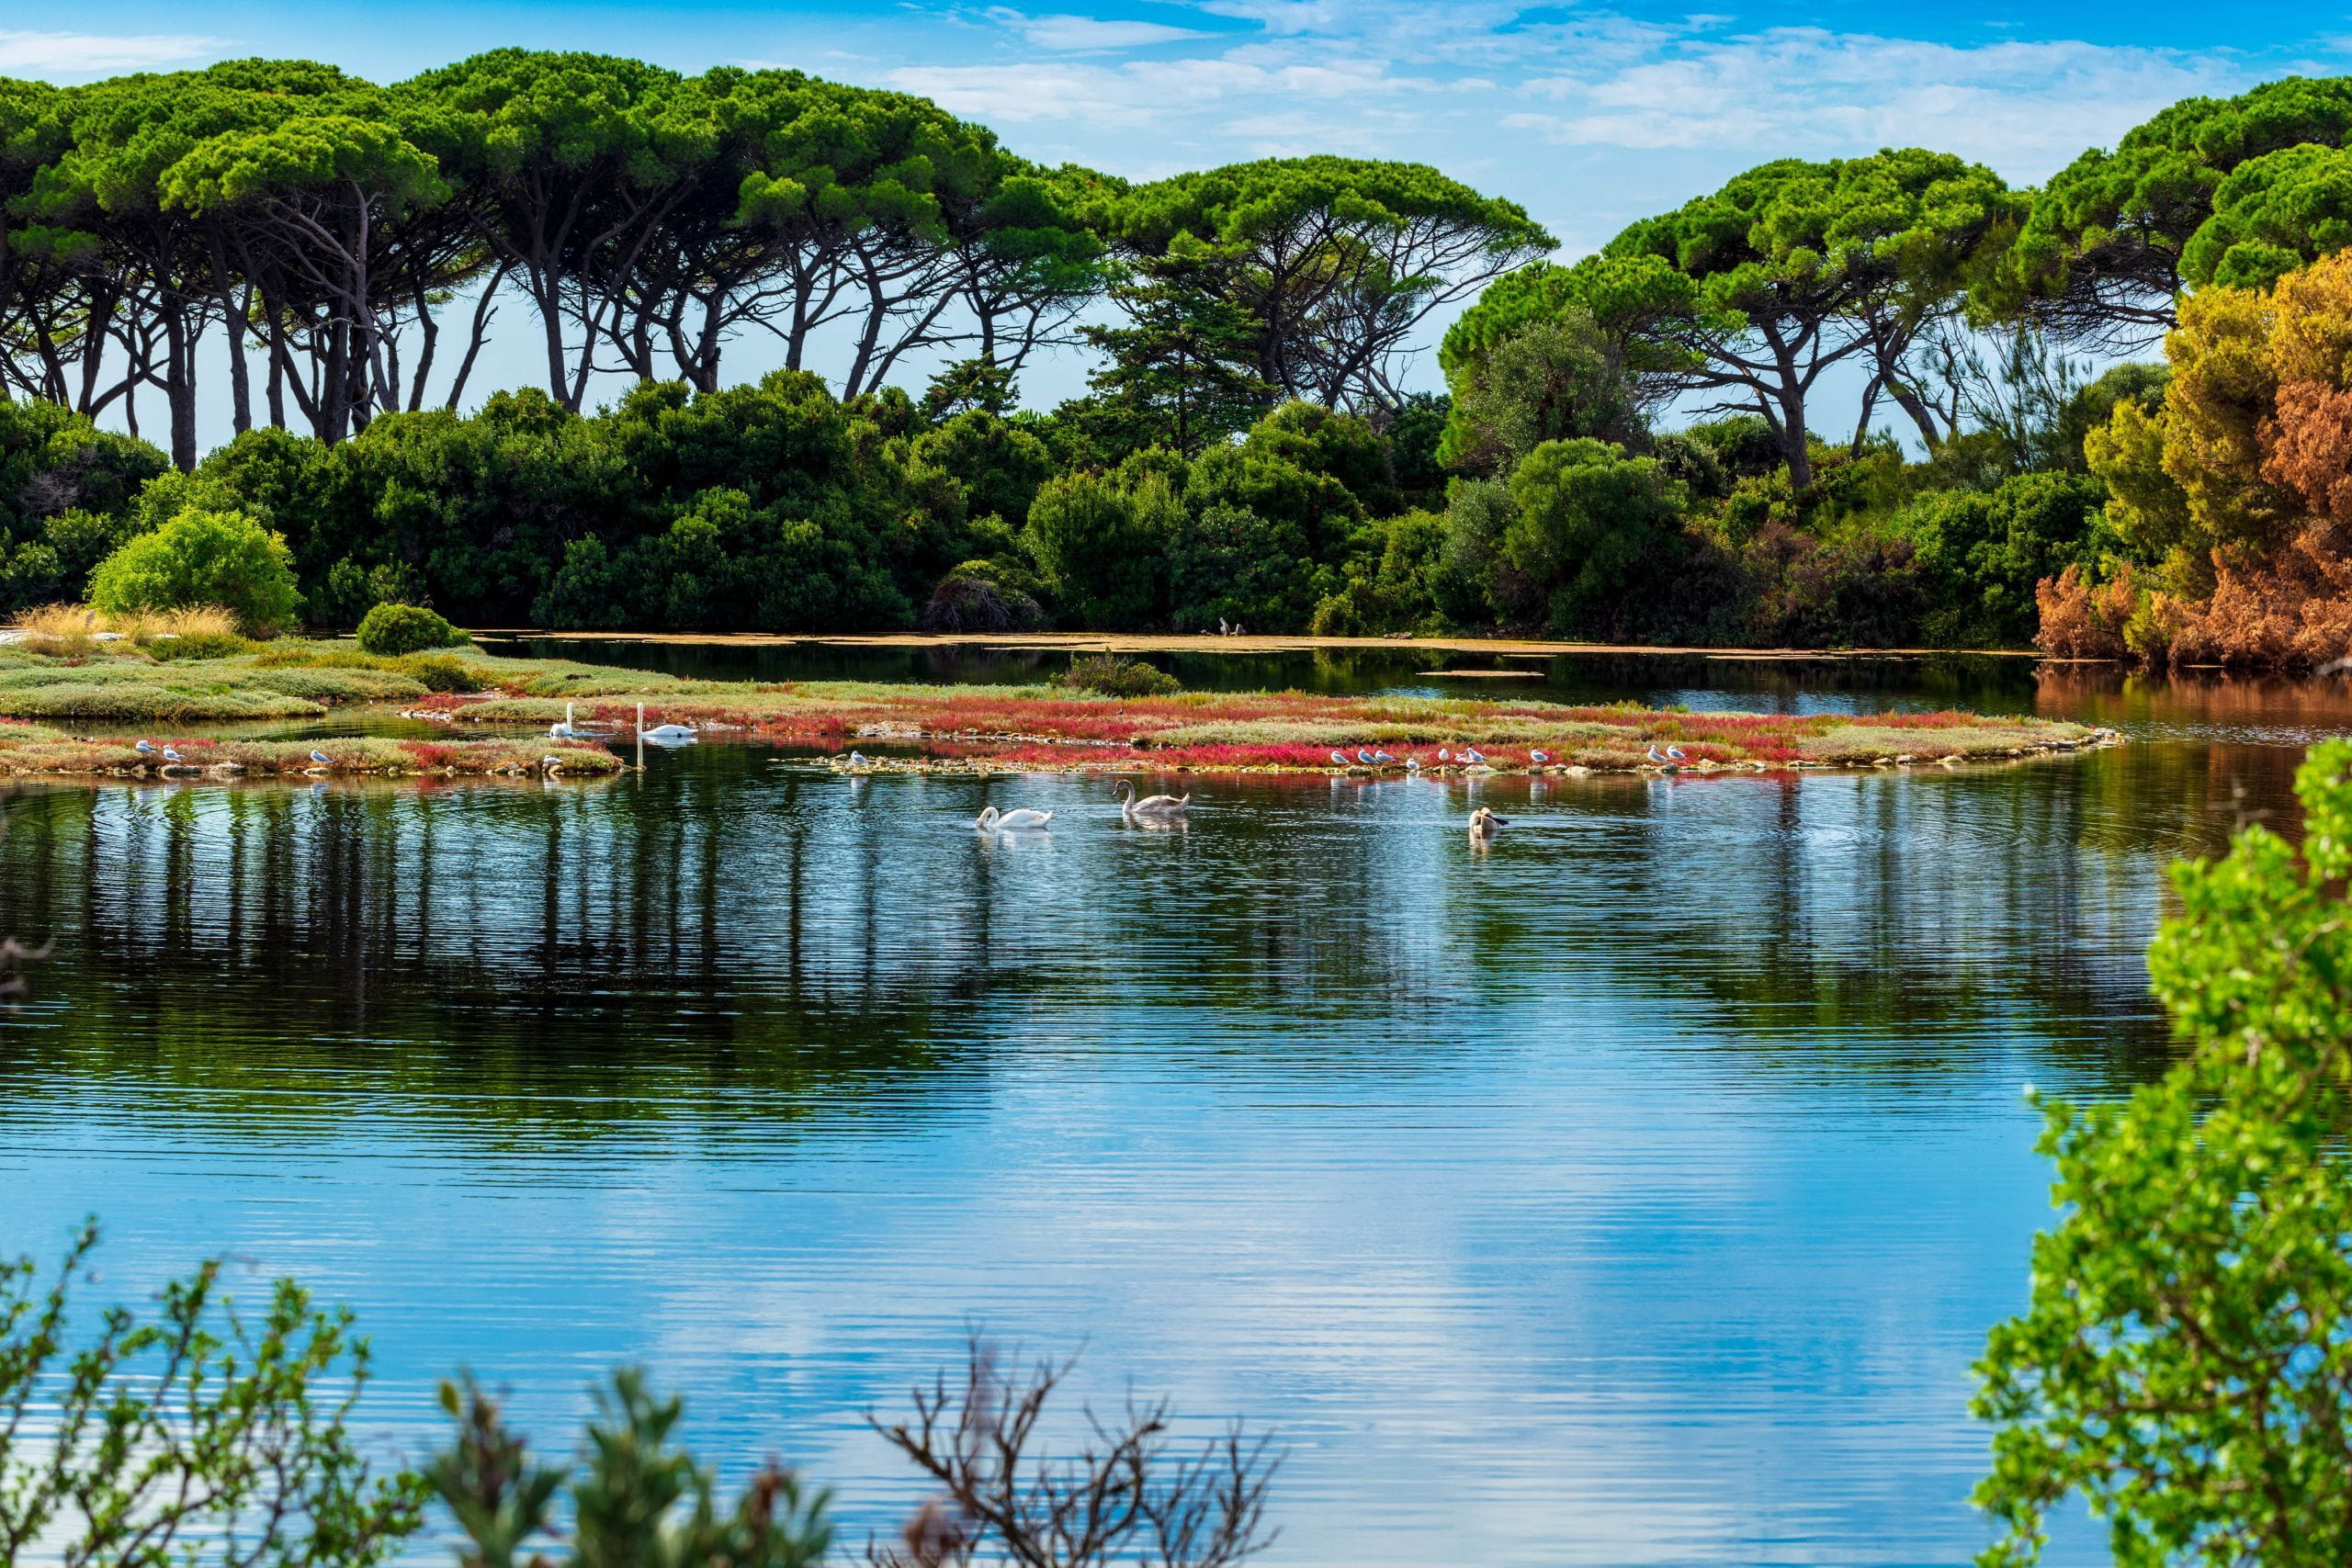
{"points": [[991, 820], [668, 734], [1485, 824], [1150, 805]]}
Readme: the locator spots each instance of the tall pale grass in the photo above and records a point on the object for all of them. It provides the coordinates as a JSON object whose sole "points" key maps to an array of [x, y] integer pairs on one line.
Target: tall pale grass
{"points": [[57, 630], [72, 630]]}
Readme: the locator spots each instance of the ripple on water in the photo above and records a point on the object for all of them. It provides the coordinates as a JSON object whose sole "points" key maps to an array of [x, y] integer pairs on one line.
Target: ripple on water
{"points": [[1637, 1191]]}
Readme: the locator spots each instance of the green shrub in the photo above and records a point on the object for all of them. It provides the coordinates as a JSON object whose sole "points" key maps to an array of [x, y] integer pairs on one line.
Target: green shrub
{"points": [[392, 629], [439, 672], [203, 558], [199, 645], [1114, 675], [338, 686]]}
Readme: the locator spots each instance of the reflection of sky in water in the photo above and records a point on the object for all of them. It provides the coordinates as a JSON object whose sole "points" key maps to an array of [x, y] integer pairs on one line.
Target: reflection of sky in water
{"points": [[1639, 1191]]}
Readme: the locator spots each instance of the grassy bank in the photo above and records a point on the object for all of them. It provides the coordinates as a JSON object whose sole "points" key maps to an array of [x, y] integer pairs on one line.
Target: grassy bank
{"points": [[965, 727], [37, 749]]}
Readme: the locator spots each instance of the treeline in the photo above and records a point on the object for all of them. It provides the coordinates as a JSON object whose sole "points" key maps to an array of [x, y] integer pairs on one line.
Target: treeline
{"points": [[1244, 454], [356, 241]]}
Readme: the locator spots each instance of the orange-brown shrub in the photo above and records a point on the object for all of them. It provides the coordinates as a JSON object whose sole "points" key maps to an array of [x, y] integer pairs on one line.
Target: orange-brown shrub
{"points": [[2292, 610], [2308, 447], [2082, 619]]}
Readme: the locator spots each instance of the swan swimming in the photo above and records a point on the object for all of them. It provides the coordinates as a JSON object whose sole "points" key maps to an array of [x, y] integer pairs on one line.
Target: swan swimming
{"points": [[991, 820], [668, 734], [1150, 805], [1485, 824]]}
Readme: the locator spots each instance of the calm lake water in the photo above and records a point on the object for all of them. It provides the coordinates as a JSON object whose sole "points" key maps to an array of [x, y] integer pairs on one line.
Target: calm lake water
{"points": [[1639, 1191]]}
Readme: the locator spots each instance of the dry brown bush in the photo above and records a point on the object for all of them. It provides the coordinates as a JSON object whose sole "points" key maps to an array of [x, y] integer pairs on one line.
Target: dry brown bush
{"points": [[2082, 619]]}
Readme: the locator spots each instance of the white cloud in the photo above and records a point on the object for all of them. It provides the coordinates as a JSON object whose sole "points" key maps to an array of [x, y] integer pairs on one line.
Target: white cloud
{"points": [[2024, 107], [1142, 92], [98, 54], [1088, 35]]}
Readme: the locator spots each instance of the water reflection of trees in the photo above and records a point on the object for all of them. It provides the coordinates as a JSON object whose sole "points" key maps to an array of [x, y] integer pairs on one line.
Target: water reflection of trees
{"points": [[724, 927]]}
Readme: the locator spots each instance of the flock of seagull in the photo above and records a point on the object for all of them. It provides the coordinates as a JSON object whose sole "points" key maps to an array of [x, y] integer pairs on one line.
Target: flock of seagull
{"points": [[1473, 759]]}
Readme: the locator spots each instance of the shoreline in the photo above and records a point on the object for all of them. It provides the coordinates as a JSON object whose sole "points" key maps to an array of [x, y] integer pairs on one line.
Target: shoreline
{"points": [[1204, 642]]}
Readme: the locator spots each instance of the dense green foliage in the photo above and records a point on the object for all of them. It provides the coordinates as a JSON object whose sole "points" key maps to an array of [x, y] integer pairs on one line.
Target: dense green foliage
{"points": [[2183, 1364], [1246, 453], [203, 558], [393, 630]]}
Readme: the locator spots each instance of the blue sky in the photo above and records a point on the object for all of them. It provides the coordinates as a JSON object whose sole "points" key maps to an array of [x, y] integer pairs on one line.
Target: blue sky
{"points": [[1589, 116]]}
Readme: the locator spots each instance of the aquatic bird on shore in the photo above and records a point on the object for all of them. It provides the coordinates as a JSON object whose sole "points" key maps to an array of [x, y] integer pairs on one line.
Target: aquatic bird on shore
{"points": [[1340, 758], [551, 762], [170, 755], [1150, 805], [1443, 755], [1222, 628], [1366, 758], [1412, 764], [860, 760], [320, 757], [992, 820], [146, 747], [668, 734], [1676, 752], [1485, 824], [1473, 756], [1655, 757], [1539, 757], [1382, 758]]}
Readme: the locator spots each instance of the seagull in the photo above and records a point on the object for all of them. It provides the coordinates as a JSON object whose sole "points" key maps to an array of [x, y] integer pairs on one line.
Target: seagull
{"points": [[1340, 758], [1382, 757], [1539, 756], [860, 760], [1412, 764], [1443, 755], [1473, 756], [320, 757], [1655, 757], [170, 755], [146, 747], [551, 762], [1366, 758], [1675, 751]]}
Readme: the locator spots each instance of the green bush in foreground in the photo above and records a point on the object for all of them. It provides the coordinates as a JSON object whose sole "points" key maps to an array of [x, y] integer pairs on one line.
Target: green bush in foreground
{"points": [[139, 1447], [212, 1438], [405, 628], [203, 558], [2186, 1362]]}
